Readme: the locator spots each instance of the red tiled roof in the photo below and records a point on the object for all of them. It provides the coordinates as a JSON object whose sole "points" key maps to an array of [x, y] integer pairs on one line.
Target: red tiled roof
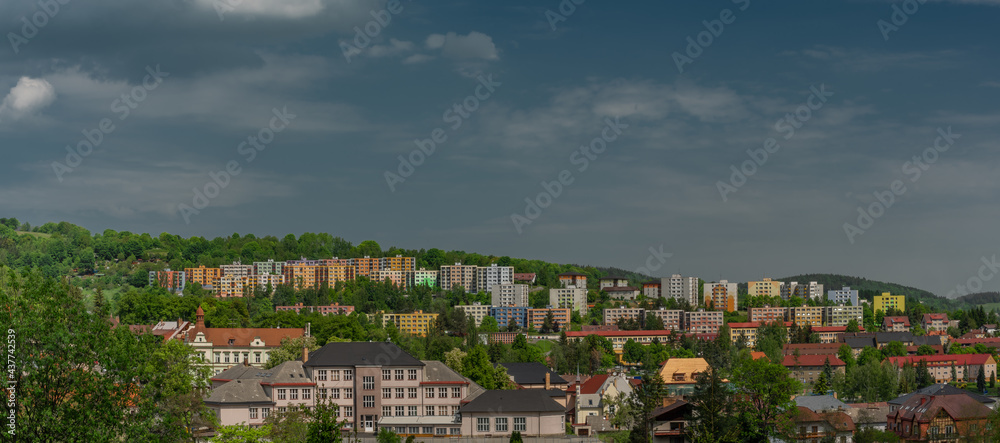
{"points": [[619, 333], [959, 359], [812, 360], [620, 289], [973, 341], [244, 336], [929, 317], [753, 324], [832, 328], [593, 384]]}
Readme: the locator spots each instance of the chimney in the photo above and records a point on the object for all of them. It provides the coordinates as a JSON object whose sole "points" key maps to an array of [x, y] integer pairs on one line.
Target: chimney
{"points": [[548, 381], [305, 354]]}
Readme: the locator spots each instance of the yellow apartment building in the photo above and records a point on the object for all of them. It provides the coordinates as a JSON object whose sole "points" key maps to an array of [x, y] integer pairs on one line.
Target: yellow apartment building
{"points": [[885, 301]]}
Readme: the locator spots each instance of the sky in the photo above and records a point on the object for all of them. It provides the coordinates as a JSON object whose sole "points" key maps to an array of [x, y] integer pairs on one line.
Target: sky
{"points": [[724, 139]]}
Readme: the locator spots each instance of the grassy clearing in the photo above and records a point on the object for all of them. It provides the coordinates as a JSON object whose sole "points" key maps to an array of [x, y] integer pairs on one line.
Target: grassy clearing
{"points": [[34, 234]]}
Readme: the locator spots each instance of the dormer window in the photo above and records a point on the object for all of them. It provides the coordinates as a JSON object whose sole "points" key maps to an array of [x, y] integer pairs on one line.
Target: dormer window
{"points": [[232, 341]]}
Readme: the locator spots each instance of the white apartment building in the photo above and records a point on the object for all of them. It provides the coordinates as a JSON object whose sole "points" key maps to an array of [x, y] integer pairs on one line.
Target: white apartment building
{"points": [[573, 298], [488, 276], [510, 294], [682, 288]]}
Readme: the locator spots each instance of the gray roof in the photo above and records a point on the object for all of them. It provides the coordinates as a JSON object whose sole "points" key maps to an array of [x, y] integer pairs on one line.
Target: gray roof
{"points": [[235, 372], [820, 403], [361, 354], [438, 371], [521, 400], [933, 340], [532, 373], [287, 372], [942, 389], [886, 337], [869, 416], [239, 392], [859, 342]]}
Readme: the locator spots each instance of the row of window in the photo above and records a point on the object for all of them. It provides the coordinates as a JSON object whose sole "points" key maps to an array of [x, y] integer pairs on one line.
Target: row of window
{"points": [[348, 393], [428, 430], [264, 412], [410, 411], [387, 374], [219, 356], [500, 424], [293, 394], [334, 374]]}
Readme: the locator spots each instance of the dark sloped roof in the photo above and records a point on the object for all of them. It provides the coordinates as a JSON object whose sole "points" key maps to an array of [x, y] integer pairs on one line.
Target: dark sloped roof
{"points": [[235, 372], [933, 340], [438, 371], [238, 392], [521, 400], [361, 354], [859, 342], [942, 389], [532, 373]]}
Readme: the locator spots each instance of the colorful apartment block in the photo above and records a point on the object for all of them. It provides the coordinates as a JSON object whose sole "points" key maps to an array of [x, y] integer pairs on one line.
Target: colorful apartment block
{"points": [[426, 278], [702, 321], [397, 278], [398, 263], [206, 277], [885, 301], [806, 315], [237, 269], [367, 266], [764, 288], [652, 289], [268, 267], [808, 291], [573, 280], [672, 319], [505, 314], [560, 316], [842, 315], [768, 314], [313, 275], [416, 323], [458, 275], [748, 330], [612, 315], [171, 280], [721, 296]]}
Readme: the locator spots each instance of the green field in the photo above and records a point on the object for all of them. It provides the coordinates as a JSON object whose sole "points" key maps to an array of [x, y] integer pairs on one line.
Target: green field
{"points": [[34, 234]]}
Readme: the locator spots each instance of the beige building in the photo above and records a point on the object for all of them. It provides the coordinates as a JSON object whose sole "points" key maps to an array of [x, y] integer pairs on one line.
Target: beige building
{"points": [[764, 288], [842, 315], [458, 275], [475, 312], [531, 412], [612, 315], [223, 348], [768, 314], [509, 294], [806, 315], [573, 298]]}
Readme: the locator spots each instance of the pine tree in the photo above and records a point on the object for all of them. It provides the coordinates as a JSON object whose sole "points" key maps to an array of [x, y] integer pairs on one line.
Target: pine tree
{"points": [[981, 380], [822, 385]]}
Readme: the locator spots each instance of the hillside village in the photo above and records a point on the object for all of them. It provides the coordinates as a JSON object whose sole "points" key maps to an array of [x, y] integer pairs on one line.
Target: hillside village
{"points": [[387, 345]]}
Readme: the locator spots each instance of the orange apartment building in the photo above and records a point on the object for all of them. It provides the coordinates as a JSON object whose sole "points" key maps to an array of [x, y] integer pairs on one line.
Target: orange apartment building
{"points": [[536, 317], [204, 276], [768, 314], [721, 295], [367, 266], [573, 280]]}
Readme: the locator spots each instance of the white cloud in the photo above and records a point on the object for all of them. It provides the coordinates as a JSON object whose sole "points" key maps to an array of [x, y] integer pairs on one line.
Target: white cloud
{"points": [[473, 46], [27, 97], [268, 8], [394, 48]]}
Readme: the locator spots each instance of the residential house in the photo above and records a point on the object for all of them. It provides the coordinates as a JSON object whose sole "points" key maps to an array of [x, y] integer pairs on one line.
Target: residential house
{"points": [[806, 315], [524, 277], [935, 324], [424, 277], [573, 297], [173, 281], [504, 315], [940, 389], [222, 348], [830, 334], [940, 418], [702, 321], [748, 330], [821, 403], [592, 395], [612, 315], [245, 395], [531, 412], [808, 291], [560, 317], [966, 367], [806, 368], [534, 375], [573, 280], [827, 426], [679, 374], [652, 289], [670, 421], [900, 323], [841, 315], [681, 288]]}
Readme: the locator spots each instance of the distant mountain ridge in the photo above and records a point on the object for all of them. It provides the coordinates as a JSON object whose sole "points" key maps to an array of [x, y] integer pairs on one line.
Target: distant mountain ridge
{"points": [[868, 288]]}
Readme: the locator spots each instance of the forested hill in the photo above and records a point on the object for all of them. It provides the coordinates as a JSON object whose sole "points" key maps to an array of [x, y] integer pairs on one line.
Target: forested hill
{"points": [[870, 288], [60, 249]]}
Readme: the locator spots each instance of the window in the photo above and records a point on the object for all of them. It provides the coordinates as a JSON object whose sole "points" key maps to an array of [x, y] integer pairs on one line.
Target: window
{"points": [[520, 424], [399, 374], [281, 394], [400, 429], [253, 413], [321, 375], [348, 411], [400, 411], [387, 411], [429, 410], [348, 393], [335, 393], [411, 411], [429, 392], [442, 392], [482, 424], [282, 409], [501, 424], [368, 401], [428, 430], [293, 394], [322, 394], [456, 431], [386, 392], [256, 356], [411, 392], [386, 374], [218, 356], [456, 392], [400, 392], [335, 375], [442, 410], [413, 374], [454, 410], [227, 357], [264, 412], [441, 431], [348, 374], [948, 430], [306, 394], [414, 429], [368, 382]]}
